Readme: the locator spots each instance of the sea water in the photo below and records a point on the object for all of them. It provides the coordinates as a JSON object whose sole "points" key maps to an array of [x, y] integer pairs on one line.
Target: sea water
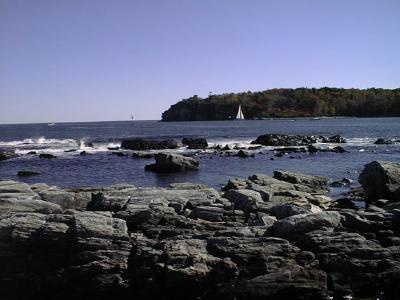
{"points": [[99, 168]]}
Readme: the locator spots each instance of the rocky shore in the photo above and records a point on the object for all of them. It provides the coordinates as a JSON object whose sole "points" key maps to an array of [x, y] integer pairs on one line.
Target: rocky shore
{"points": [[264, 237]]}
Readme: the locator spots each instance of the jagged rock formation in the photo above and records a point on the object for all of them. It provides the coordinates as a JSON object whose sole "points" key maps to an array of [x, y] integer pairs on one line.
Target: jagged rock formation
{"points": [[264, 237]]}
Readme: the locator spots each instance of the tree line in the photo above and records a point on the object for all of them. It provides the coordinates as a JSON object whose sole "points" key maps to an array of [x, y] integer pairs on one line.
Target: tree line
{"points": [[289, 103]]}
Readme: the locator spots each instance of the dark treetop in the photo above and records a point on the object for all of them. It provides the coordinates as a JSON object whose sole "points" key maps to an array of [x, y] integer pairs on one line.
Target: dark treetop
{"points": [[289, 103]]}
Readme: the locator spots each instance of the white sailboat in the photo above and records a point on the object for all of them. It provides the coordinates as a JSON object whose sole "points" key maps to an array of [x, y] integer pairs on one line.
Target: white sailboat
{"points": [[240, 115]]}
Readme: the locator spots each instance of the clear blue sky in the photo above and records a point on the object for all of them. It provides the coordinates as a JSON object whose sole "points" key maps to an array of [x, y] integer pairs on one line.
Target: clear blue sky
{"points": [[87, 60]]}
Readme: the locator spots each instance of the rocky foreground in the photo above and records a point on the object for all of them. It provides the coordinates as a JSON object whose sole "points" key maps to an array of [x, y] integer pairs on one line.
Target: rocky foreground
{"points": [[264, 237]]}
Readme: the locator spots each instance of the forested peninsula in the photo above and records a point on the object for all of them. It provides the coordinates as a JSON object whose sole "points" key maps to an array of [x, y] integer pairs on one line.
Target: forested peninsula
{"points": [[289, 103]]}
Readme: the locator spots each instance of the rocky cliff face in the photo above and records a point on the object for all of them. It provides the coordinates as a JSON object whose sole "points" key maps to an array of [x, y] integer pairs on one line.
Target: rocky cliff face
{"points": [[265, 237]]}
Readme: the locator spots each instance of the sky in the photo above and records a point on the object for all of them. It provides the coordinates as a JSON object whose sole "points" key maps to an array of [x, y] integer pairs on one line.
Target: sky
{"points": [[92, 60]]}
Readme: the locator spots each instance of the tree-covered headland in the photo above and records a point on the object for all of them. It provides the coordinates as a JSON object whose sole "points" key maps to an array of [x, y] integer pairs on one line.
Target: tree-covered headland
{"points": [[289, 103]]}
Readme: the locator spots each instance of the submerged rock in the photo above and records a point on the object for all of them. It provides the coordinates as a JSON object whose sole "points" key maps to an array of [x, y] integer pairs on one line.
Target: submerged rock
{"points": [[27, 173], [47, 156], [166, 163]]}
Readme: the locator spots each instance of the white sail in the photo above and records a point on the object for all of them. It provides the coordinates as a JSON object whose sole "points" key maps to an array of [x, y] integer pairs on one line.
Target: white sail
{"points": [[240, 115]]}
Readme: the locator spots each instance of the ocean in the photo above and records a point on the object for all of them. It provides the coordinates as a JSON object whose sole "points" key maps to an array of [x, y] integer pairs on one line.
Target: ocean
{"points": [[100, 167]]}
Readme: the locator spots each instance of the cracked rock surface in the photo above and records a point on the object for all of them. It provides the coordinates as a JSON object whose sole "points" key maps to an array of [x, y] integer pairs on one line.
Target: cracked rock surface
{"points": [[264, 237]]}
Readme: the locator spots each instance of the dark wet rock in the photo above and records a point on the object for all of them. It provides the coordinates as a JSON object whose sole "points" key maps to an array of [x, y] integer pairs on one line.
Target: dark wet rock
{"points": [[7, 154], [384, 142], [344, 203], [254, 148], [287, 150], [27, 173], [142, 144], [120, 154], [113, 148], [337, 139], [313, 148], [47, 156], [294, 282], [295, 140], [284, 140], [83, 153], [342, 182], [226, 148], [32, 153], [195, 143], [244, 154], [70, 150], [142, 154], [381, 179], [338, 149], [166, 163]]}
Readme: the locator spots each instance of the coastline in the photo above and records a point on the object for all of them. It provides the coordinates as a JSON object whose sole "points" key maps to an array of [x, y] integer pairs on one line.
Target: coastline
{"points": [[190, 241]]}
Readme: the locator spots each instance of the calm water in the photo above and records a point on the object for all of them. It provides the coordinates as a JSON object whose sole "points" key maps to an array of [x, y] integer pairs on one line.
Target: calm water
{"points": [[101, 168]]}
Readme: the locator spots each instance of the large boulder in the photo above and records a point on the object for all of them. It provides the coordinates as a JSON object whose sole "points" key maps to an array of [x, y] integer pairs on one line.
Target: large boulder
{"points": [[166, 162], [294, 227], [381, 179], [243, 199], [195, 143], [142, 144], [297, 178]]}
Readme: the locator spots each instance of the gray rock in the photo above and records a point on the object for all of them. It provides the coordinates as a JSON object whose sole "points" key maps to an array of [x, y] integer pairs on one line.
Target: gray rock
{"points": [[381, 179], [65, 199], [243, 199], [28, 205], [297, 178], [166, 163], [188, 186], [15, 187], [294, 227], [235, 184]]}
